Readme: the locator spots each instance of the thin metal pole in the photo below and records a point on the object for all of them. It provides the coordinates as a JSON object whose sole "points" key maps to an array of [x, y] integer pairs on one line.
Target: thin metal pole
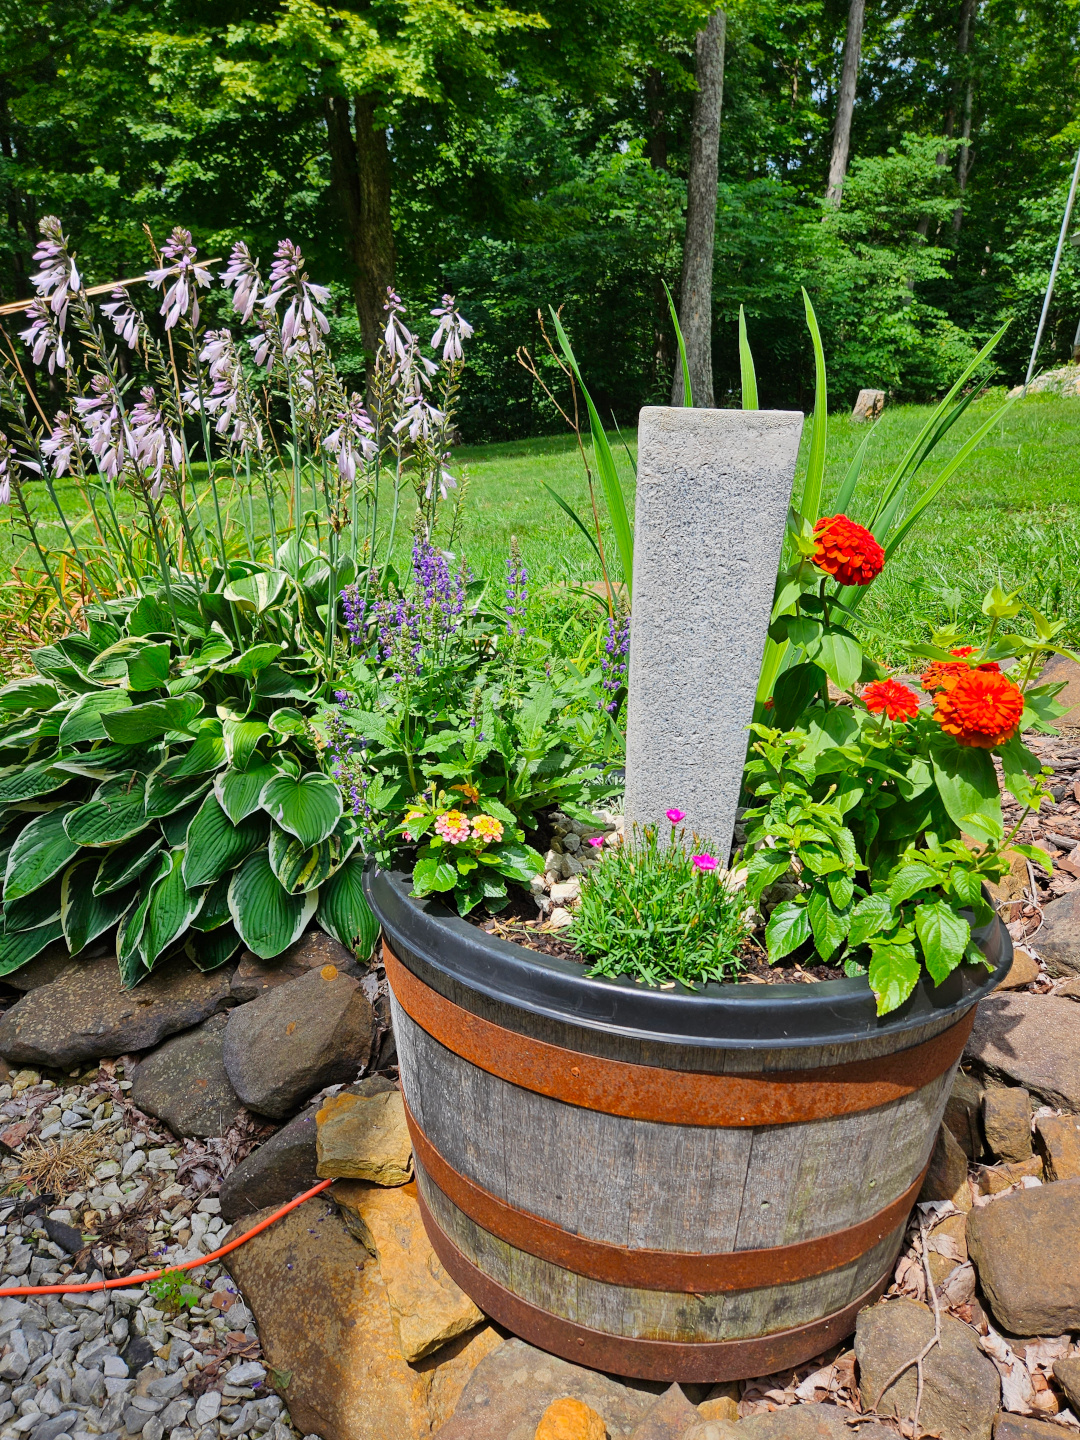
{"points": [[1054, 270]]}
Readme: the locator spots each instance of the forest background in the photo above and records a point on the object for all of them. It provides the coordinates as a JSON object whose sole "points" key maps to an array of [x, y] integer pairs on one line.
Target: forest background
{"points": [[529, 156]]}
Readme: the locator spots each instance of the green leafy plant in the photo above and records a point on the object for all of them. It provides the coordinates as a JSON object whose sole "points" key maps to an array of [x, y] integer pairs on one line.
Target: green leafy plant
{"points": [[174, 1291], [170, 790], [654, 912], [883, 818]]}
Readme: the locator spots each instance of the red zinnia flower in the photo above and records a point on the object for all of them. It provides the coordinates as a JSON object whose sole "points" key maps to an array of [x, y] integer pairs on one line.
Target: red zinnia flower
{"points": [[964, 651], [981, 707], [898, 701], [847, 551]]}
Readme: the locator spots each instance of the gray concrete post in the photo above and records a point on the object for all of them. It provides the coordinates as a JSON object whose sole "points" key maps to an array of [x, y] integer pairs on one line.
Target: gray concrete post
{"points": [[713, 490]]}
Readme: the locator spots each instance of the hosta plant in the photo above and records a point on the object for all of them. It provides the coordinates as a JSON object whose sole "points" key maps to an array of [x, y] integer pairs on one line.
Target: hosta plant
{"points": [[168, 789]]}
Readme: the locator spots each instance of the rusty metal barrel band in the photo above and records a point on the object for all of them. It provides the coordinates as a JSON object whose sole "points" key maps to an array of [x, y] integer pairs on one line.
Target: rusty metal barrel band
{"points": [[665, 1360], [688, 1272], [673, 1097]]}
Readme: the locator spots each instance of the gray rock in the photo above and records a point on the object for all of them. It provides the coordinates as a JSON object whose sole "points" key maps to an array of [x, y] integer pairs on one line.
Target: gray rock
{"points": [[296, 1039], [668, 1419], [284, 1165], [512, 1387], [961, 1387], [254, 976], [806, 1422], [1026, 1248], [86, 1012], [1058, 942], [43, 969], [61, 1424], [184, 1083], [1030, 1040], [713, 492]]}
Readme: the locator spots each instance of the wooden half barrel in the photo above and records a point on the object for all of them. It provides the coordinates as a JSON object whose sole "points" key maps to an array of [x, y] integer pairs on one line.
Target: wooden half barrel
{"points": [[670, 1185]]}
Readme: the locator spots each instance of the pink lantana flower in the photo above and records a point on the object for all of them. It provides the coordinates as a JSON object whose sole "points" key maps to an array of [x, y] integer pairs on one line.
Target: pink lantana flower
{"points": [[704, 862], [453, 827]]}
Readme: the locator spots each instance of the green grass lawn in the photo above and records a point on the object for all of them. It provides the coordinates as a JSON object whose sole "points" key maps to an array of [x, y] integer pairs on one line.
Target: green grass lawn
{"points": [[1011, 515]]}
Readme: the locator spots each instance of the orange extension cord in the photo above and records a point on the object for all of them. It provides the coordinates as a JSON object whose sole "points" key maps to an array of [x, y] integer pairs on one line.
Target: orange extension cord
{"points": [[127, 1281]]}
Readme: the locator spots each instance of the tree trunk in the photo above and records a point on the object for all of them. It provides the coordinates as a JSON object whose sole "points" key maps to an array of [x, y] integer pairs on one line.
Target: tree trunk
{"points": [[963, 164], [695, 286], [657, 150], [360, 175], [846, 104]]}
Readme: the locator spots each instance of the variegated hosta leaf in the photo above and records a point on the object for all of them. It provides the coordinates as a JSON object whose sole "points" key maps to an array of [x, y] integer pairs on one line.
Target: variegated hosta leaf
{"points": [[83, 914], [344, 911], [116, 811], [267, 918], [215, 844], [301, 868], [172, 908], [127, 862], [40, 851]]}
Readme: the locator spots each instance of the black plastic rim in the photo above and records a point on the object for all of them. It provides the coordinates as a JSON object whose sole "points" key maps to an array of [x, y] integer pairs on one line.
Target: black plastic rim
{"points": [[433, 942]]}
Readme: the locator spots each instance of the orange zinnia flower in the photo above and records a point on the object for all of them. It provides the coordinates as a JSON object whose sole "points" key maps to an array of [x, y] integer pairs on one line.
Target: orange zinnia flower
{"points": [[981, 708], [847, 551], [898, 702], [942, 674]]}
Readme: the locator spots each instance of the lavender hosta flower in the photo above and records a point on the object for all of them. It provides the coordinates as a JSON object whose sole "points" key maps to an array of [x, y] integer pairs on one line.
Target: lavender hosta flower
{"points": [[102, 419], [288, 280], [400, 342], [58, 277], [154, 444], [228, 399], [613, 663], [243, 272], [187, 275], [61, 444], [7, 460], [126, 320], [451, 331], [43, 336], [353, 438], [421, 419]]}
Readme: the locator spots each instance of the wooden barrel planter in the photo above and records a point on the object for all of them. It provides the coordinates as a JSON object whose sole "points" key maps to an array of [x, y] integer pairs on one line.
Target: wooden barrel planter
{"points": [[664, 1184]]}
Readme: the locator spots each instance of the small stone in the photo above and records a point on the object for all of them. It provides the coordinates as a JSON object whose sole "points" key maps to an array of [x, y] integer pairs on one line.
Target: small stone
{"points": [[296, 1039], [1030, 1040], [364, 1137], [719, 1407], [806, 1422], [718, 1429], [113, 1366], [1013, 883], [1026, 1427], [1023, 970], [515, 1383], [961, 1388], [1058, 1141], [207, 1407], [869, 405], [1058, 941], [1067, 1374], [565, 892], [668, 1419], [992, 1179], [570, 1419], [947, 1177], [1007, 1122], [426, 1305], [560, 918], [184, 1082], [963, 1114]]}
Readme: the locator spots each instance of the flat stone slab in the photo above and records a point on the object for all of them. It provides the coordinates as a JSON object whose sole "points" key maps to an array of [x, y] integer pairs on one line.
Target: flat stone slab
{"points": [[328, 1343], [365, 1137], [86, 1013], [184, 1083], [427, 1307], [1030, 1040], [713, 490], [254, 976]]}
